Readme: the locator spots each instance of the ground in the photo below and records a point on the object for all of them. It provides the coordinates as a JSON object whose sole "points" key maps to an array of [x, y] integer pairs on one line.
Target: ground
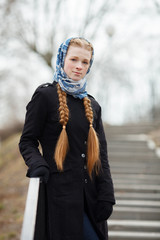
{"points": [[13, 189]]}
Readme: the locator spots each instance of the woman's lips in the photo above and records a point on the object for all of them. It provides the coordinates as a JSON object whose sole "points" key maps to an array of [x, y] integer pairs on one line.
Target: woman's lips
{"points": [[77, 73]]}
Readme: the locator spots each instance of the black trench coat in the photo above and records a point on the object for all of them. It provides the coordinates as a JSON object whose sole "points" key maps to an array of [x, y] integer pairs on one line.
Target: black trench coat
{"points": [[66, 191]]}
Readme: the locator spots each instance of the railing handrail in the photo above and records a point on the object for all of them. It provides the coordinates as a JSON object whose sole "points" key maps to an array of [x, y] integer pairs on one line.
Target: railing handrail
{"points": [[29, 220]]}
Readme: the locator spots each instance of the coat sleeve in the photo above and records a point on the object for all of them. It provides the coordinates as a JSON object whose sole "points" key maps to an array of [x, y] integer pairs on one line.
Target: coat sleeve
{"points": [[33, 128], [104, 179]]}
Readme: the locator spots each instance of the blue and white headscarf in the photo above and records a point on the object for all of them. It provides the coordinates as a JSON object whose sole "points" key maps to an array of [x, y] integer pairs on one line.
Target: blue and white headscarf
{"points": [[75, 88]]}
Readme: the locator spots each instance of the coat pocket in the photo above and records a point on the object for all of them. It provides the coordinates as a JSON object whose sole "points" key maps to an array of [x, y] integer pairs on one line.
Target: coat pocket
{"points": [[61, 183], [103, 210]]}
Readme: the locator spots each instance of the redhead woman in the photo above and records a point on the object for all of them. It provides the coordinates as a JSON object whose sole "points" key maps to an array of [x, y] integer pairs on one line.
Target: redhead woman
{"points": [[73, 166]]}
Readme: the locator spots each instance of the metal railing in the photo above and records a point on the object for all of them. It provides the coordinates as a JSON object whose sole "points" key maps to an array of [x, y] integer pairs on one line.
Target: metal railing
{"points": [[29, 221]]}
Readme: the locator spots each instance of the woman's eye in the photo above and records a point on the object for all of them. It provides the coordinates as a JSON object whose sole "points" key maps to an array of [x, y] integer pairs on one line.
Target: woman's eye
{"points": [[73, 59], [85, 63]]}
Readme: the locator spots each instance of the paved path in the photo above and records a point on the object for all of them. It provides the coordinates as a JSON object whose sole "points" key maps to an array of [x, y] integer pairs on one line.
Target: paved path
{"points": [[136, 175]]}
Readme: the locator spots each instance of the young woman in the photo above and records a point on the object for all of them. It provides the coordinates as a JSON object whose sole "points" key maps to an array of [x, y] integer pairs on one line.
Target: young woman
{"points": [[67, 122]]}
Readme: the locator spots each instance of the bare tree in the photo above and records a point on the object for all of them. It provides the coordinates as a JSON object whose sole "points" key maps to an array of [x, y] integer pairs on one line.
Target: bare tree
{"points": [[157, 5], [39, 31]]}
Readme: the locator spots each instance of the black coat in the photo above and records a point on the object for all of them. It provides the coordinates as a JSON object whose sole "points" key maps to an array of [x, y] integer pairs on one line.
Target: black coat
{"points": [[67, 191]]}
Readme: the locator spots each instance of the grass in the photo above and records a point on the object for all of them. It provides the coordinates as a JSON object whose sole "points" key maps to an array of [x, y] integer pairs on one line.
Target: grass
{"points": [[1, 206], [8, 236], [2, 237]]}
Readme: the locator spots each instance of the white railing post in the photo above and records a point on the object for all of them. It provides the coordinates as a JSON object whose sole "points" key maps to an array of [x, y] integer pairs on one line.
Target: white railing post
{"points": [[29, 220]]}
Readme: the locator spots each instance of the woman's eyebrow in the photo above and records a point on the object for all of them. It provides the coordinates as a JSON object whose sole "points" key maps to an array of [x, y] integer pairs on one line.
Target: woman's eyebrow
{"points": [[74, 56], [85, 59]]}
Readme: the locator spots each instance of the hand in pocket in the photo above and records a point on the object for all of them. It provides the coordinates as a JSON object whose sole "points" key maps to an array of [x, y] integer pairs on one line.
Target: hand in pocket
{"points": [[103, 210]]}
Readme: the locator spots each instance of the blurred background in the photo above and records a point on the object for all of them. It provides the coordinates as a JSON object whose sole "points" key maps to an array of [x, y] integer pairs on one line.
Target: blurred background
{"points": [[124, 79]]}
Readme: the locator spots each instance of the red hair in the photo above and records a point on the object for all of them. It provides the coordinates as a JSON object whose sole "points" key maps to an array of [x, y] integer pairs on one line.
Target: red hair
{"points": [[62, 146]]}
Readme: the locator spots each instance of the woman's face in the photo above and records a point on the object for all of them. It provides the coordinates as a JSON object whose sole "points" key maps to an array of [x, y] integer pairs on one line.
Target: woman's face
{"points": [[77, 62]]}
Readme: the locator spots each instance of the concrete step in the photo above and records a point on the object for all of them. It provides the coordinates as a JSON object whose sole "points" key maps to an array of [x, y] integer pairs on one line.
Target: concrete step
{"points": [[136, 128], [136, 168], [138, 203], [129, 148], [130, 151], [123, 235], [136, 213], [155, 177], [141, 138], [128, 137], [129, 140], [127, 169], [142, 188], [131, 164], [130, 129], [132, 157], [126, 143], [150, 154], [135, 152], [134, 225], [137, 196], [135, 181], [137, 140]]}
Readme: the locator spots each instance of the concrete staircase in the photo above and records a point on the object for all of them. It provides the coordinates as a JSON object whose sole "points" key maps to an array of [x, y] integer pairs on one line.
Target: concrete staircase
{"points": [[136, 175]]}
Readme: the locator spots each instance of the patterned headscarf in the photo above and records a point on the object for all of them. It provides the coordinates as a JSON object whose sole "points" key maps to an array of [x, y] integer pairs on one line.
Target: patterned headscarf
{"points": [[75, 88]]}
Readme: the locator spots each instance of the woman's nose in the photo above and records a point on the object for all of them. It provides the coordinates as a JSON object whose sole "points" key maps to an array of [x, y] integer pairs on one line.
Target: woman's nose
{"points": [[79, 65]]}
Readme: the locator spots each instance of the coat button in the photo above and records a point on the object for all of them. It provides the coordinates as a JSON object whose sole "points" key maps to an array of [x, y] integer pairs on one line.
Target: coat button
{"points": [[85, 167], [85, 142], [85, 180], [83, 155]]}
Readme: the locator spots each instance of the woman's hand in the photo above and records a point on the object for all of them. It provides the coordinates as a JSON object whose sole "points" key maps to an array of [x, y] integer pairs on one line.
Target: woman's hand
{"points": [[103, 210], [42, 172]]}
